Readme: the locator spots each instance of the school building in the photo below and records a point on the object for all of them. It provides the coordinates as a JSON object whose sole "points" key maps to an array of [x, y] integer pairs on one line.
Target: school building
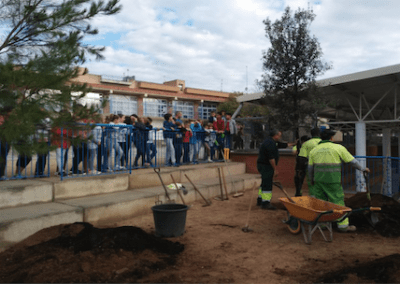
{"points": [[126, 95]]}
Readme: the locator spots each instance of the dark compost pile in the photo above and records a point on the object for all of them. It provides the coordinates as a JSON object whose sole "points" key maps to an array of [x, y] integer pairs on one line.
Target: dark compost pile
{"points": [[382, 270], [388, 219], [81, 253]]}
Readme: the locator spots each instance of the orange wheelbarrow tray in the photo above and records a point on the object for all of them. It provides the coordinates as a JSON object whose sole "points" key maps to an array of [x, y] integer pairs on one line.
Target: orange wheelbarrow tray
{"points": [[308, 214]]}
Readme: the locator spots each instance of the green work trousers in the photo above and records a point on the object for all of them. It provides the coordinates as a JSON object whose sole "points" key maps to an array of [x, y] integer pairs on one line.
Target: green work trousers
{"points": [[332, 192]]}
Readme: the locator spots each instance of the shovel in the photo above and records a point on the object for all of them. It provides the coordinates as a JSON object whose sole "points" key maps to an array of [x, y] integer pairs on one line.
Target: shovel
{"points": [[157, 170], [279, 185], [246, 228], [237, 194], [208, 203], [373, 217]]}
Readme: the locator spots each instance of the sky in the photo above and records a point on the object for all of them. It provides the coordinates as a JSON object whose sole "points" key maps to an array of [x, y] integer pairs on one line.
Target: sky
{"points": [[218, 45]]}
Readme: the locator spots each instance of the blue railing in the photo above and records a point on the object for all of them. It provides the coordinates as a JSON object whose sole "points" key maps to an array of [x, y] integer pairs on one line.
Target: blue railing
{"points": [[383, 178], [109, 149]]}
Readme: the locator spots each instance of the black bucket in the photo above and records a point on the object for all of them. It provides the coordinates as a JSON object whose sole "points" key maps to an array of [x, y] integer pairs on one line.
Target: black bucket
{"points": [[169, 219]]}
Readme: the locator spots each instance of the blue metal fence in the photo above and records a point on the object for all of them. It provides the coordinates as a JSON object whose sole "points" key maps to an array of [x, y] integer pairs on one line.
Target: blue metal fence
{"points": [[108, 149], [383, 178]]}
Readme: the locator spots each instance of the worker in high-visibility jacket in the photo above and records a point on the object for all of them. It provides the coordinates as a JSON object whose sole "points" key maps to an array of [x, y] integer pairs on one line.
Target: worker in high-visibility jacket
{"points": [[324, 171], [302, 159]]}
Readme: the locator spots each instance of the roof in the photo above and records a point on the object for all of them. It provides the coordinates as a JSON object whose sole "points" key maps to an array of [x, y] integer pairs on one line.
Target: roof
{"points": [[369, 96]]}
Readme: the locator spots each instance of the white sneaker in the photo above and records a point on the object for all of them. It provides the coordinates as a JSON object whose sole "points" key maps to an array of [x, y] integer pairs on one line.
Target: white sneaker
{"points": [[210, 161]]}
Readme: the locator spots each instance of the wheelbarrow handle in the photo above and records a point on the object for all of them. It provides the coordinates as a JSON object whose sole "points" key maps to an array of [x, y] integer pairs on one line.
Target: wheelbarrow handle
{"points": [[375, 209]]}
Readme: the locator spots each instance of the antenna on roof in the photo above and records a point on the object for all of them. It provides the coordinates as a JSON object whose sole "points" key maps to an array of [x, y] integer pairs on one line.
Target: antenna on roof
{"points": [[246, 81], [222, 83]]}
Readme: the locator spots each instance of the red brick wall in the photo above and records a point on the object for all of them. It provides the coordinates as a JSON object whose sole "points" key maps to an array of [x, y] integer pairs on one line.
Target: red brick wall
{"points": [[285, 166]]}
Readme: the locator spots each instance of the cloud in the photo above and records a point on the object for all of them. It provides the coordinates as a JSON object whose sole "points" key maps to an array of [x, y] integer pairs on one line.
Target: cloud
{"points": [[209, 44]]}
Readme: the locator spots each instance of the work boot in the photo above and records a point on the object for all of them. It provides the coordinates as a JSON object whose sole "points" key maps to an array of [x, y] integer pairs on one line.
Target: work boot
{"points": [[268, 206], [259, 201], [350, 228]]}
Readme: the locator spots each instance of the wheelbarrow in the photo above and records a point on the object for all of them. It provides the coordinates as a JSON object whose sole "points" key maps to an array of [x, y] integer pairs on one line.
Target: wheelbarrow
{"points": [[309, 214]]}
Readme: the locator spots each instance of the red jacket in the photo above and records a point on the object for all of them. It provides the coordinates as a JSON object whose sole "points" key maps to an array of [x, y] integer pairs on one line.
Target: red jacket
{"points": [[219, 125], [66, 136], [186, 138]]}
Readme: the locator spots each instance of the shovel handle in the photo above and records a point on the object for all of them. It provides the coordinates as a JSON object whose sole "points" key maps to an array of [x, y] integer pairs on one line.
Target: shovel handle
{"points": [[279, 185]]}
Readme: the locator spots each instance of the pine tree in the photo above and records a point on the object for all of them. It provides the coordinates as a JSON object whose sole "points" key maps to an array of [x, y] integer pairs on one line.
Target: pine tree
{"points": [[291, 66], [39, 55]]}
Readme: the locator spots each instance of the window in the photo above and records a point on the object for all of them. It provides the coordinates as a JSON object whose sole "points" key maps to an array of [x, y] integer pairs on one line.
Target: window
{"points": [[205, 110], [123, 105], [187, 108], [155, 107]]}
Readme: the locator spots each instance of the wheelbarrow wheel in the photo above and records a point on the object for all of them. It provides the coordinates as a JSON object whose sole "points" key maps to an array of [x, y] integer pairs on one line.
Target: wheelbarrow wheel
{"points": [[294, 225]]}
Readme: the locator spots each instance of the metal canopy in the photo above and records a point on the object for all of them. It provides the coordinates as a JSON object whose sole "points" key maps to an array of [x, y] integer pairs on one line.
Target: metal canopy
{"points": [[369, 96]]}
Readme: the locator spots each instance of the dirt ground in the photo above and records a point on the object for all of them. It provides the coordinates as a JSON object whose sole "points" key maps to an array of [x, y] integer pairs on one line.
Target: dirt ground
{"points": [[214, 249]]}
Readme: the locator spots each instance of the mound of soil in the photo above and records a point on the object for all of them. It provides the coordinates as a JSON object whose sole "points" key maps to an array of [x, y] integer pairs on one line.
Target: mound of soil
{"points": [[382, 270], [388, 219], [81, 253]]}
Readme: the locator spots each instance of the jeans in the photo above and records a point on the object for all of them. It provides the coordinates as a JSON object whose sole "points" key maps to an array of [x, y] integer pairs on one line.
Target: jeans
{"points": [[151, 152], [61, 164], [194, 150], [170, 151], [92, 155]]}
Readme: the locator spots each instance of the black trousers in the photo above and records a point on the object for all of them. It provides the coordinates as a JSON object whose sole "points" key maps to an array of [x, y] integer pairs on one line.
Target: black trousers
{"points": [[24, 160], [298, 181], [80, 152], [4, 149]]}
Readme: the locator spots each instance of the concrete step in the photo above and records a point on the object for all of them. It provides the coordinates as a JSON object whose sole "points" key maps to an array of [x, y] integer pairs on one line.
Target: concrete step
{"points": [[109, 208], [148, 178], [103, 209], [20, 222], [21, 192], [105, 206]]}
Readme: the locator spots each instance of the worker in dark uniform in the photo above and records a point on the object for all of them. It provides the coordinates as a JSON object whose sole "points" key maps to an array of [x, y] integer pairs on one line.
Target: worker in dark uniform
{"points": [[267, 162], [301, 165]]}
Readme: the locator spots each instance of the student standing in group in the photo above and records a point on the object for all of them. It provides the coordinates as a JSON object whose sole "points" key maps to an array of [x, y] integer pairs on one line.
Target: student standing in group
{"points": [[61, 137], [128, 139], [115, 119], [140, 141], [230, 130], [178, 137], [212, 117], [151, 149], [121, 138], [93, 146], [209, 141], [169, 128], [195, 140], [219, 127], [187, 134], [4, 145]]}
